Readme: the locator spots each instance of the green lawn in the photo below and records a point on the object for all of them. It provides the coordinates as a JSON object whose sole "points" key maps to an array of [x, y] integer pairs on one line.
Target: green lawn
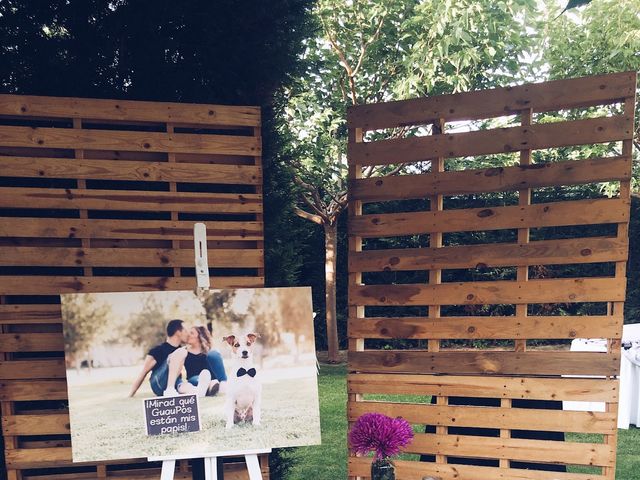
{"points": [[329, 459]]}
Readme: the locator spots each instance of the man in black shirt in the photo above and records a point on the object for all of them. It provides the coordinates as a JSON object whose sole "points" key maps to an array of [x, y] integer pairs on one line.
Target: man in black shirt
{"points": [[165, 362]]}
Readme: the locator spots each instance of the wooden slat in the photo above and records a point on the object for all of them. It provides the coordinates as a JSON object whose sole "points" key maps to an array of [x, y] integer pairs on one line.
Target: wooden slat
{"points": [[129, 170], [123, 257], [541, 97], [407, 470], [498, 328], [28, 314], [485, 362], [125, 229], [127, 110], [29, 369], [566, 290], [514, 449], [31, 342], [494, 179], [13, 197], [134, 474], [44, 285], [50, 424], [68, 138], [486, 142], [543, 252], [23, 458], [37, 388], [490, 417], [570, 389], [578, 212]]}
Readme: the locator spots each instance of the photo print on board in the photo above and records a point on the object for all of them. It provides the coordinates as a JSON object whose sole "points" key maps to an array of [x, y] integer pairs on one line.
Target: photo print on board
{"points": [[178, 373]]}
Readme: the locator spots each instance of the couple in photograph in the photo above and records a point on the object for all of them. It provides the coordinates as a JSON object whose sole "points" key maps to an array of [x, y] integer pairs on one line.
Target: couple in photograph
{"points": [[189, 349]]}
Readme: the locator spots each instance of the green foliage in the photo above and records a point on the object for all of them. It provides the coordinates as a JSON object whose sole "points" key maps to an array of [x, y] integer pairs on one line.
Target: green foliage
{"points": [[228, 51], [147, 328], [84, 319]]}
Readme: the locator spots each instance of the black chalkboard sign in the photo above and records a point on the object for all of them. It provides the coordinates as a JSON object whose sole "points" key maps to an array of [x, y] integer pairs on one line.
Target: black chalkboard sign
{"points": [[179, 414]]}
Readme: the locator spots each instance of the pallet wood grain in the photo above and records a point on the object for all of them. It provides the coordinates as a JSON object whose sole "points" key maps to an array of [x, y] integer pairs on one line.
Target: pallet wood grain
{"points": [[408, 470], [543, 252], [484, 362], [492, 141], [494, 179], [493, 327], [570, 213], [125, 229], [43, 167], [541, 97], [128, 111]]}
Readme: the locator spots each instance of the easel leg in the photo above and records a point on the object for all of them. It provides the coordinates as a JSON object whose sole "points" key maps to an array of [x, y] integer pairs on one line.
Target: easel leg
{"points": [[168, 469], [211, 468], [253, 466]]}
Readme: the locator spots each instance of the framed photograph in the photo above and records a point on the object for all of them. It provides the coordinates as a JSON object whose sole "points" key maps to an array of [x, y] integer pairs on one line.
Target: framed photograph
{"points": [[153, 374]]}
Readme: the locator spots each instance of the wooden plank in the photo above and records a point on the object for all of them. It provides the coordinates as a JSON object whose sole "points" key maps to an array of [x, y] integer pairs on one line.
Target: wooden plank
{"points": [[44, 285], [125, 229], [15, 197], [494, 179], [51, 424], [485, 362], [128, 110], [565, 290], [486, 142], [29, 369], [31, 342], [570, 389], [29, 314], [496, 328], [513, 449], [68, 138], [23, 458], [543, 252], [129, 170], [34, 389], [491, 417], [121, 257], [578, 212], [134, 474], [540, 97], [408, 470]]}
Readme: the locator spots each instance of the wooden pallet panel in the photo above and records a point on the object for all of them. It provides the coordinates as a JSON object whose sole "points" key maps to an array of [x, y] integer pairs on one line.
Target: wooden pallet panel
{"points": [[123, 176], [481, 352]]}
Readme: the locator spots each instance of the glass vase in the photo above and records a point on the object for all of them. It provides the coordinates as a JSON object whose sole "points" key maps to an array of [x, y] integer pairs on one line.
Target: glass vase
{"points": [[383, 469]]}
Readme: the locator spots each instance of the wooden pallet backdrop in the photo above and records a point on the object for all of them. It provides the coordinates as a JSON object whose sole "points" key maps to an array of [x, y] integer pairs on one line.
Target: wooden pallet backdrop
{"points": [[434, 360], [101, 196]]}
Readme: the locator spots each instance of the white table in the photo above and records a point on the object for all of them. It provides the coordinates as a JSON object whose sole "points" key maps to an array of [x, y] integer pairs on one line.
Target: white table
{"points": [[629, 401]]}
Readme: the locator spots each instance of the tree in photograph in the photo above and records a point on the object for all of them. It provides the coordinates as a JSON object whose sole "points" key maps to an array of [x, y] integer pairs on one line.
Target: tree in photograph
{"points": [[84, 317], [367, 52], [147, 327]]}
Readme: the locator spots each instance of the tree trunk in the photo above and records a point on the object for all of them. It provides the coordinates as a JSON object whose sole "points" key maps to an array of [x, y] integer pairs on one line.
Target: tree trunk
{"points": [[331, 251]]}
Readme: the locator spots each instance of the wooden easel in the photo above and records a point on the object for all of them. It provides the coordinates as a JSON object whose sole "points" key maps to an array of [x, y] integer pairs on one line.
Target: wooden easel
{"points": [[210, 461]]}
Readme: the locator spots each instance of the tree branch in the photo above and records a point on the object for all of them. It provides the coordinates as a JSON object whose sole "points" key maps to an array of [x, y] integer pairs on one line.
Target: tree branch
{"points": [[365, 45], [308, 216]]}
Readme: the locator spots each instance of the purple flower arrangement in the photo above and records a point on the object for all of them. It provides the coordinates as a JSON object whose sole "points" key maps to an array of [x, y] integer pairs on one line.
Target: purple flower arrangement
{"points": [[385, 436]]}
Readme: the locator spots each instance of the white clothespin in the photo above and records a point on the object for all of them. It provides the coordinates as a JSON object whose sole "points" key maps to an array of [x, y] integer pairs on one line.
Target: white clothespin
{"points": [[202, 262]]}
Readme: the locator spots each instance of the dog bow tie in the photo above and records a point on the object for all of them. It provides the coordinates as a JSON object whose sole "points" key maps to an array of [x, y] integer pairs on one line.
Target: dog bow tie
{"points": [[251, 372]]}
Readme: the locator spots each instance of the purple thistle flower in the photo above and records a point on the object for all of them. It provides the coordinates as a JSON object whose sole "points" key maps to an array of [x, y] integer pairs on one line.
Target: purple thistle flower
{"points": [[374, 432]]}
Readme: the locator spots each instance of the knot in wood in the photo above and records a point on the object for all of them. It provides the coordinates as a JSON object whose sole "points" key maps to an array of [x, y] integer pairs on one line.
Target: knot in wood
{"points": [[487, 212]]}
